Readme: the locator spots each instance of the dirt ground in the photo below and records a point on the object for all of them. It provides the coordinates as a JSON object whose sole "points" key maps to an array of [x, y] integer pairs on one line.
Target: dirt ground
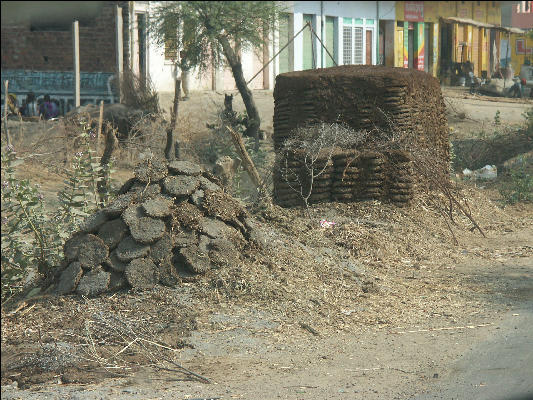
{"points": [[381, 305]]}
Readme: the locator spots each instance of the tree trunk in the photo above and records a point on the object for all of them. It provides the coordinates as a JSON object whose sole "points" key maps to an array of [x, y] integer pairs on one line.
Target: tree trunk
{"points": [[254, 122], [170, 148]]}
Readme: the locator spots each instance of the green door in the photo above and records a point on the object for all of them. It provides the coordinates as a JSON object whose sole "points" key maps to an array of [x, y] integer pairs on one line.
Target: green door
{"points": [[308, 48], [331, 41], [283, 40]]}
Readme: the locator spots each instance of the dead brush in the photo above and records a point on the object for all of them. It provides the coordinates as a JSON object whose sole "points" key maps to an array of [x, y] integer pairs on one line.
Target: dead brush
{"points": [[139, 93], [318, 142], [110, 339]]}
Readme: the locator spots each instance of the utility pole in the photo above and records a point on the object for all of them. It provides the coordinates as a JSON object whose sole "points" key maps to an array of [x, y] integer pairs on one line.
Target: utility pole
{"points": [[119, 50], [76, 42]]}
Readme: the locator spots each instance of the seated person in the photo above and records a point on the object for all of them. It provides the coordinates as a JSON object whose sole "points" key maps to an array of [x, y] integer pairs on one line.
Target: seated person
{"points": [[29, 108], [516, 89], [48, 109], [12, 104]]}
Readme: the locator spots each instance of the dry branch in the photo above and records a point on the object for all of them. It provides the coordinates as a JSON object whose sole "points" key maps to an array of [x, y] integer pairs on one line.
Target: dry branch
{"points": [[246, 160]]}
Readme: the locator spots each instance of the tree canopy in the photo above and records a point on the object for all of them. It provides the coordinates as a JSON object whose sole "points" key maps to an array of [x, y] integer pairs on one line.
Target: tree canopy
{"points": [[206, 29], [200, 27]]}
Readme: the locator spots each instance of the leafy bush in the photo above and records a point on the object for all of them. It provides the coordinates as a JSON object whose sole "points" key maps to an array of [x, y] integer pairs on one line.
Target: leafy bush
{"points": [[520, 187], [528, 116], [33, 236]]}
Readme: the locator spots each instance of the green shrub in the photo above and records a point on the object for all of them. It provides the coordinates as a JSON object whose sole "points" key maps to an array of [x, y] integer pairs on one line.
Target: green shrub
{"points": [[33, 236], [520, 187]]}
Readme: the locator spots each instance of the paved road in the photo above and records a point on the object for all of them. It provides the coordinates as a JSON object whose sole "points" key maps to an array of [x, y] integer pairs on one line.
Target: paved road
{"points": [[501, 367]]}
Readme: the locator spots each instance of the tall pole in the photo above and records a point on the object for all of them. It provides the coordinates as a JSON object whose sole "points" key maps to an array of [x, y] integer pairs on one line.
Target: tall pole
{"points": [[119, 50], [76, 41], [377, 34], [322, 33]]}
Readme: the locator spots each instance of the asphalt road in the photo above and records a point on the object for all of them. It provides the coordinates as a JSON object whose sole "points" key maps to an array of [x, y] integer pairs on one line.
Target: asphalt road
{"points": [[501, 367]]}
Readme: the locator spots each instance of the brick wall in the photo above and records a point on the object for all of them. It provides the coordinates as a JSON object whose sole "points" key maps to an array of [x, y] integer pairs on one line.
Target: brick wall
{"points": [[53, 50]]}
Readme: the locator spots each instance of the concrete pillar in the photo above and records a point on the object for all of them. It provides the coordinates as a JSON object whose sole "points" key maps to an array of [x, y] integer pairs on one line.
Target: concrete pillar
{"points": [[338, 24], [298, 42]]}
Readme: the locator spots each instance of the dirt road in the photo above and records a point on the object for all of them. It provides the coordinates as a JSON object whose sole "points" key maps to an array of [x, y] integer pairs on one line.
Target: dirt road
{"points": [[485, 353]]}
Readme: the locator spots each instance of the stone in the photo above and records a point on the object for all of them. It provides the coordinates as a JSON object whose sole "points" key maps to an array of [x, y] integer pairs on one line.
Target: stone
{"points": [[70, 278], [71, 248], [128, 249], [182, 270], [223, 253], [216, 229], [125, 188], [204, 244], [180, 186], [94, 283], [222, 205], [114, 263], [151, 170], [146, 191], [93, 222], [132, 214], [194, 260], [184, 238], [187, 216], [147, 230], [184, 168], [122, 202], [168, 276], [158, 207], [117, 281], [161, 249], [141, 273], [206, 184], [112, 232], [92, 252], [197, 197], [225, 169]]}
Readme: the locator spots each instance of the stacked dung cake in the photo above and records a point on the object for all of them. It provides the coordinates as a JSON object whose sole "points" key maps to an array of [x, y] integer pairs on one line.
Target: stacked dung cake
{"points": [[399, 185], [346, 175], [372, 176], [365, 98]]}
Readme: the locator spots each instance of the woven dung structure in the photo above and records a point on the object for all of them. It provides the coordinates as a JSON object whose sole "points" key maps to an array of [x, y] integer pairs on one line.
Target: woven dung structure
{"points": [[364, 98]]}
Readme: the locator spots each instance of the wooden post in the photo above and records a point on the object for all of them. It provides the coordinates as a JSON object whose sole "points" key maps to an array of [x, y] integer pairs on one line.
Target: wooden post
{"points": [[246, 160], [6, 109], [76, 41], [119, 50]]}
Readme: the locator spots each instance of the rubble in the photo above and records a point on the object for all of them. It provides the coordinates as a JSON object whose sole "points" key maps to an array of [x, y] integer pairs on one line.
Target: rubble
{"points": [[172, 223]]}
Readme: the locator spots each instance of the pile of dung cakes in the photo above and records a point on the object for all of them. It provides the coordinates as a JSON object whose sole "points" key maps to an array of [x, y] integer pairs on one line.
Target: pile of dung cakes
{"points": [[172, 222], [293, 179], [364, 98], [351, 176]]}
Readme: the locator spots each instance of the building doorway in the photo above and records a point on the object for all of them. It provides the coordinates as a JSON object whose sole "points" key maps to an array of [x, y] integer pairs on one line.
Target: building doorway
{"points": [[369, 47], [410, 46]]}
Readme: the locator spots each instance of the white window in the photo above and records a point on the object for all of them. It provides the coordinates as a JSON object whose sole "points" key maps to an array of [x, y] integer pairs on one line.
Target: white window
{"points": [[358, 46], [352, 45], [347, 45]]}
